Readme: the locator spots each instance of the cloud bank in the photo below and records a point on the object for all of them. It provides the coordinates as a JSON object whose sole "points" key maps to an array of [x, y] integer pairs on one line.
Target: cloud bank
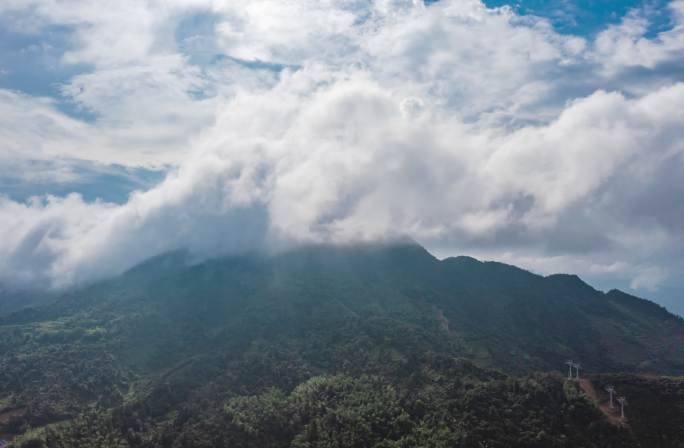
{"points": [[470, 129]]}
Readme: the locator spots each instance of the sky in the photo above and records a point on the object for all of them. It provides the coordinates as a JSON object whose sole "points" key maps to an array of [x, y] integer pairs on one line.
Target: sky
{"points": [[545, 134]]}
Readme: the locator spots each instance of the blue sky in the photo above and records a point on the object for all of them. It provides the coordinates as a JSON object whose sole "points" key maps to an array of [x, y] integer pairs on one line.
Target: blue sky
{"points": [[588, 17], [545, 135]]}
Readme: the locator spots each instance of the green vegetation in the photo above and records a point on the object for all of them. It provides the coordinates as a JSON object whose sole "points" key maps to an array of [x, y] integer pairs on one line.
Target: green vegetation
{"points": [[445, 402], [324, 347], [655, 406]]}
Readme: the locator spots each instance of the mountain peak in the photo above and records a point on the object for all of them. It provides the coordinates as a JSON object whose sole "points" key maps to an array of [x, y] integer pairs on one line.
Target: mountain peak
{"points": [[570, 280], [462, 259], [320, 321]]}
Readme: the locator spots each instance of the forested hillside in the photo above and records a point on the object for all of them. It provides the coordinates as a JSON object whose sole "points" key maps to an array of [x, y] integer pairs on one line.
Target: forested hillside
{"points": [[358, 346]]}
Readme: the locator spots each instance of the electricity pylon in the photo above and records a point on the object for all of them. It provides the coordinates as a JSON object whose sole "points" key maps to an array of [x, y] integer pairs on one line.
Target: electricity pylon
{"points": [[611, 391]]}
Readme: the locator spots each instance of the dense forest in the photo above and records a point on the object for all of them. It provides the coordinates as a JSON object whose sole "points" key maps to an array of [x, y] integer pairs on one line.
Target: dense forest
{"points": [[370, 346]]}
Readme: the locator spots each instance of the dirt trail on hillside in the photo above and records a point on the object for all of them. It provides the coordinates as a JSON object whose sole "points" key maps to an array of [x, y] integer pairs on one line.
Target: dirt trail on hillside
{"points": [[613, 415]]}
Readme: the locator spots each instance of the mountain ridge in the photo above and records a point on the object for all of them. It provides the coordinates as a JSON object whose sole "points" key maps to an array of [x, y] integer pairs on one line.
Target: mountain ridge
{"points": [[464, 287], [169, 334]]}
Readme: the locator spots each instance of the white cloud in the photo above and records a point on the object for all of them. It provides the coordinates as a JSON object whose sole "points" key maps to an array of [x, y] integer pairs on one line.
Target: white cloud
{"points": [[467, 128], [626, 44], [34, 128], [287, 32], [649, 278], [131, 132]]}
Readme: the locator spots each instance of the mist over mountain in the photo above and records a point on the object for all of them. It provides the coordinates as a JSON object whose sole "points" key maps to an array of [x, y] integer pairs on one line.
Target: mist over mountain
{"points": [[505, 131], [238, 223]]}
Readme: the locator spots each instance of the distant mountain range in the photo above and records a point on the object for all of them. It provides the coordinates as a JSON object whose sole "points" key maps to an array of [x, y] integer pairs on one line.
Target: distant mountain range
{"points": [[156, 353]]}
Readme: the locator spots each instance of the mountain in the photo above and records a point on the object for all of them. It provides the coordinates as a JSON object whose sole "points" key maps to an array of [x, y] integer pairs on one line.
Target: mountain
{"points": [[13, 299], [369, 345]]}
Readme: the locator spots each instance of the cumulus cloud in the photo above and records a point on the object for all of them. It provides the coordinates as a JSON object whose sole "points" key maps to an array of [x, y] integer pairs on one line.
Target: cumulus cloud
{"points": [[467, 128]]}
